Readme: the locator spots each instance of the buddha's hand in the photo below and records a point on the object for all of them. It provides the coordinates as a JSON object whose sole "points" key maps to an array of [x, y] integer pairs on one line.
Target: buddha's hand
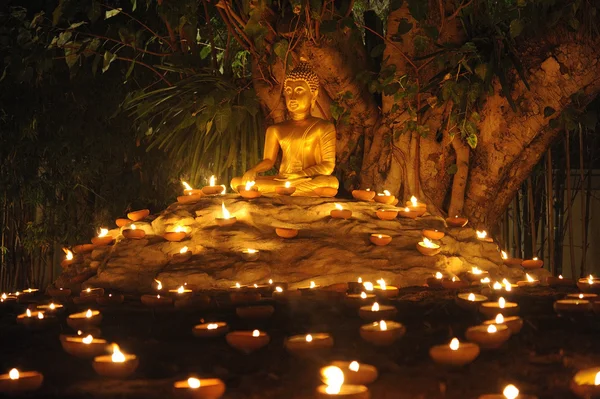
{"points": [[292, 176], [250, 175]]}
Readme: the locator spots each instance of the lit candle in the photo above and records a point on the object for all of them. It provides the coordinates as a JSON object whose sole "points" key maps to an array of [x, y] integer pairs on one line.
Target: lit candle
{"points": [[382, 333], [528, 282], [488, 336], [286, 189], [559, 281], [428, 247], [470, 301], [356, 373], [84, 320], [340, 213], [385, 291], [51, 308], [358, 300], [226, 219], [250, 254], [363, 195], [68, 258], [210, 330], [183, 255], [285, 232], [411, 213], [483, 236], [385, 198], [454, 283], [117, 365], [476, 274], [133, 232], [181, 291], [84, 346], [433, 234], [380, 239], [377, 312], [455, 353], [249, 190], [589, 284], [387, 214], [333, 378], [586, 383], [16, 382], [213, 188], [435, 281], [194, 388], [491, 309], [457, 221], [156, 301], [566, 306], [247, 341], [103, 238], [514, 323], [309, 344], [534, 263], [509, 392]]}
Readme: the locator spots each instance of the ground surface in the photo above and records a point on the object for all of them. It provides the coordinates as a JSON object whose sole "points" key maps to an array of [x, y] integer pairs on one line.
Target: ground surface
{"points": [[540, 360]]}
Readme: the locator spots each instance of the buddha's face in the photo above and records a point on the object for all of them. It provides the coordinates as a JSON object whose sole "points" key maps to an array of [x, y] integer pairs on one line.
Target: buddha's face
{"points": [[298, 98]]}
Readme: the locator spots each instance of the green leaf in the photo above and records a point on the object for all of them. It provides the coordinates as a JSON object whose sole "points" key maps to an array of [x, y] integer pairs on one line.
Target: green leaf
{"points": [[472, 141], [404, 26], [516, 27], [418, 9], [378, 50], [281, 49], [209, 125], [112, 13], [222, 117], [548, 111], [77, 25], [108, 59], [204, 52], [475, 117], [130, 70], [452, 169], [63, 38]]}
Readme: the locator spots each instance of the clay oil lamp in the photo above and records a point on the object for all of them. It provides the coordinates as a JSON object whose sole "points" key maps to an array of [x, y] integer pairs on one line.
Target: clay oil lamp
{"points": [[380, 239], [385, 291], [226, 219], [122, 222], [103, 238], [132, 232], [454, 283], [156, 301], [509, 287], [454, 354], [136, 216], [17, 382], [340, 213], [178, 234], [356, 373], [476, 274], [55, 292], [491, 309], [457, 222], [377, 312], [117, 365], [183, 255], [483, 236], [333, 378], [284, 232], [435, 281], [382, 333], [83, 320], [84, 347], [387, 213], [194, 388], [28, 295], [409, 213], [250, 255], [210, 330], [34, 320], [368, 286], [327, 192], [589, 284], [110, 299], [68, 258], [509, 392], [514, 323], [433, 234], [240, 295], [470, 301], [534, 263], [572, 306], [488, 336], [510, 262], [363, 195], [91, 293], [385, 198], [428, 247], [309, 344], [213, 188], [83, 248], [559, 281], [586, 383], [528, 282], [255, 312], [282, 294], [358, 300], [247, 341], [485, 280], [51, 308], [415, 204], [312, 290], [190, 195], [181, 292], [6, 299], [355, 287], [249, 190], [286, 189], [581, 295]]}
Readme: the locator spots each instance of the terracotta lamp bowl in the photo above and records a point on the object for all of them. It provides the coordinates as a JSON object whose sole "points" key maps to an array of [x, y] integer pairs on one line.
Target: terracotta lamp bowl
{"points": [[174, 236], [433, 234], [248, 194], [380, 239], [285, 232], [457, 222], [512, 262], [454, 285], [428, 251], [213, 190], [285, 190], [102, 241], [410, 214], [136, 216], [385, 199], [341, 213], [325, 192], [122, 222], [188, 199], [387, 214], [532, 264], [83, 248], [225, 222], [133, 234], [363, 195]]}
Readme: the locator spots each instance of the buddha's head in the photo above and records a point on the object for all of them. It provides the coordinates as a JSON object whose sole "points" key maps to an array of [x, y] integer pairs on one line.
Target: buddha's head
{"points": [[300, 88]]}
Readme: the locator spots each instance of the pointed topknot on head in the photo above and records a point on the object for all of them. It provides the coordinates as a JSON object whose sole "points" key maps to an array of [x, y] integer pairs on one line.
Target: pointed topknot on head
{"points": [[304, 72]]}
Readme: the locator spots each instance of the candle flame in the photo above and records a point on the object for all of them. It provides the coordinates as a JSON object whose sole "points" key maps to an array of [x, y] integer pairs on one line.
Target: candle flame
{"points": [[499, 318], [253, 251], [375, 307], [381, 283], [597, 379], [529, 278], [481, 234], [103, 232], [560, 277], [535, 258], [180, 290], [133, 227], [179, 229], [212, 326], [439, 275], [183, 250], [52, 306], [368, 285], [454, 344], [256, 333], [225, 212], [360, 280], [485, 280], [406, 209], [4, 295], [476, 270], [333, 377], [187, 186], [278, 289], [288, 184], [382, 325], [386, 193], [471, 297], [590, 280], [255, 285], [309, 338], [117, 356], [504, 255], [87, 340], [28, 313], [88, 314], [453, 278], [13, 374], [40, 315], [492, 329], [158, 284], [363, 295], [414, 201], [427, 243], [211, 180], [312, 284], [69, 254], [193, 383], [249, 185], [501, 303], [510, 392], [354, 366], [270, 281], [88, 290]]}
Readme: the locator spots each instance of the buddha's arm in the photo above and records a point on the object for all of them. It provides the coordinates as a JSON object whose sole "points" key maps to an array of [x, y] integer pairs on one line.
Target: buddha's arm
{"points": [[269, 155], [327, 146]]}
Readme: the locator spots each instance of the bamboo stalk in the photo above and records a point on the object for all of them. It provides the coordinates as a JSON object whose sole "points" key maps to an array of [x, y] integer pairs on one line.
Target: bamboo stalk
{"points": [[531, 216], [550, 211], [569, 199], [583, 210], [517, 227]]}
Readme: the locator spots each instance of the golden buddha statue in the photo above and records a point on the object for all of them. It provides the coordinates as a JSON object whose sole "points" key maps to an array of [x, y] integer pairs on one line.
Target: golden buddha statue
{"points": [[307, 143]]}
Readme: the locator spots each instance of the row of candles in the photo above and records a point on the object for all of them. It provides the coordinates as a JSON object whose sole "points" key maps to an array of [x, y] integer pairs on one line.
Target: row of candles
{"points": [[380, 331]]}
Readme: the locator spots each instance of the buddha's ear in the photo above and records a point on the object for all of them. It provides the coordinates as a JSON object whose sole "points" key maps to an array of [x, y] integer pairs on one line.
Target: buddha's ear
{"points": [[315, 95]]}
